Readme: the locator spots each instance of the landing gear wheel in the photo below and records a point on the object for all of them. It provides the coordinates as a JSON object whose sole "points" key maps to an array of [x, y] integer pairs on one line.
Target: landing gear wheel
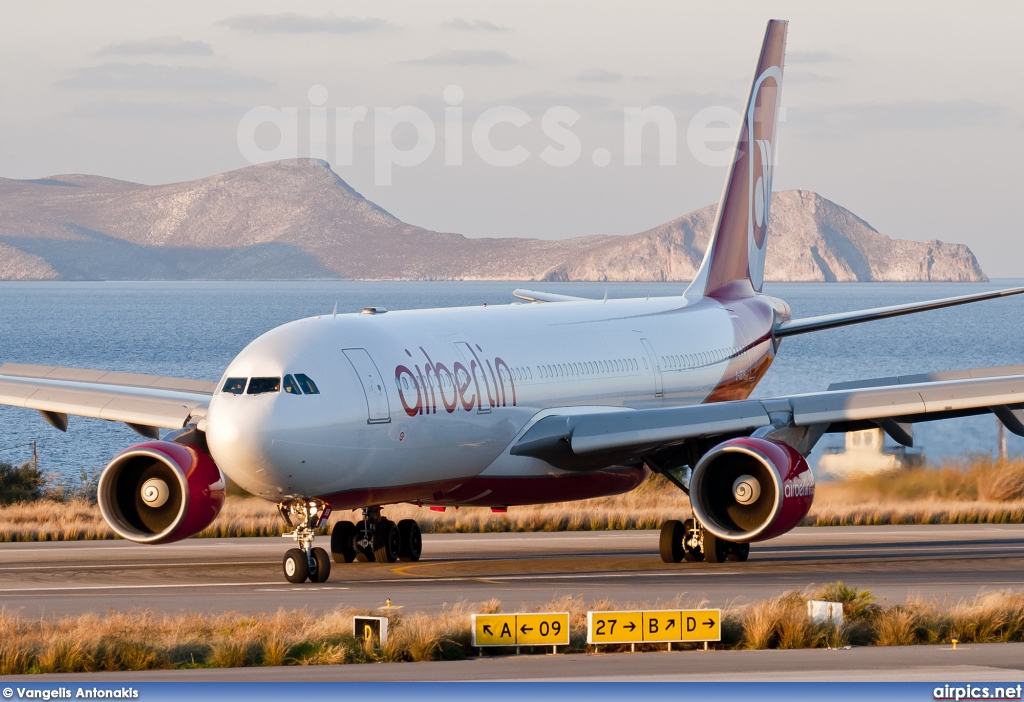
{"points": [[738, 552], [343, 542], [323, 566], [296, 569], [387, 542], [411, 540], [693, 550], [671, 542], [715, 549], [364, 553]]}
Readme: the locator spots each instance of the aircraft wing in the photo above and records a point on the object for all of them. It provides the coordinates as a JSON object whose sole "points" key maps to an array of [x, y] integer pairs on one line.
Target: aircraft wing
{"points": [[143, 402], [579, 440], [536, 296], [842, 319]]}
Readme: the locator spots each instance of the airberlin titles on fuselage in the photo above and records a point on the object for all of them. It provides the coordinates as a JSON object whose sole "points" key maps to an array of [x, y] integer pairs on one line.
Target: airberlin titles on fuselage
{"points": [[472, 382]]}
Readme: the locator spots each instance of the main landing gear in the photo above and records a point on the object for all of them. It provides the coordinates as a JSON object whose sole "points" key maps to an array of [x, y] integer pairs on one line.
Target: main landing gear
{"points": [[375, 538], [690, 541], [305, 562]]}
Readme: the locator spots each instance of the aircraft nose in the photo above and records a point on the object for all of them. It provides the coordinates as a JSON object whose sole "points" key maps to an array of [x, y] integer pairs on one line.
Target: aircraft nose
{"points": [[239, 434]]}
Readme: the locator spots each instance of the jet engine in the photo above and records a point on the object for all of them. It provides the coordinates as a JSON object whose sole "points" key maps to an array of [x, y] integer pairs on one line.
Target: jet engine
{"points": [[751, 489], [159, 491]]}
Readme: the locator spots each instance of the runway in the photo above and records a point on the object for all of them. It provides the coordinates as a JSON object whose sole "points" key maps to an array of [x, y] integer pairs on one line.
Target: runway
{"points": [[522, 570]]}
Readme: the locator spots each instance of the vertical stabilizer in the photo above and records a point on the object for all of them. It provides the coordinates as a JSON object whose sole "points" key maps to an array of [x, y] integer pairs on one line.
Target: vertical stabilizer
{"points": [[733, 265]]}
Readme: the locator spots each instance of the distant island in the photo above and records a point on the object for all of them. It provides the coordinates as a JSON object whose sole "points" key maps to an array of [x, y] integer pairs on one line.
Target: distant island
{"points": [[297, 219]]}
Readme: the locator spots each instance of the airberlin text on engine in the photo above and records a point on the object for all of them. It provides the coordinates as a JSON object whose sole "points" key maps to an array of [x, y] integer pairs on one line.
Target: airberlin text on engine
{"points": [[800, 486], [474, 381]]}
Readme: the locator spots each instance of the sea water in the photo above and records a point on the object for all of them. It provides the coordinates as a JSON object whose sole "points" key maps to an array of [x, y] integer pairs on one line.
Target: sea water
{"points": [[194, 329]]}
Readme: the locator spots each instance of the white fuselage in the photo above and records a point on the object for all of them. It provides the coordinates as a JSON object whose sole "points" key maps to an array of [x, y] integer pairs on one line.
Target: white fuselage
{"points": [[422, 406]]}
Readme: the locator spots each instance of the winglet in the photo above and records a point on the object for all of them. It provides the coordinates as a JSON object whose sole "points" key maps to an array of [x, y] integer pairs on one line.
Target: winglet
{"points": [[733, 264]]}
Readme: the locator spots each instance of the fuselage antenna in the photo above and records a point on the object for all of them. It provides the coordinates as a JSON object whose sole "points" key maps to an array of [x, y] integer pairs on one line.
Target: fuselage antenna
{"points": [[334, 314]]}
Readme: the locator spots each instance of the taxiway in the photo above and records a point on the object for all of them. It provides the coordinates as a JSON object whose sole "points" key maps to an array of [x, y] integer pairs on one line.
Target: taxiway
{"points": [[522, 570]]}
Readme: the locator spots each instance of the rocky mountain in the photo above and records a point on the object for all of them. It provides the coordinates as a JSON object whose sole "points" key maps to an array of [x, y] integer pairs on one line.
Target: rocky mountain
{"points": [[298, 219]]}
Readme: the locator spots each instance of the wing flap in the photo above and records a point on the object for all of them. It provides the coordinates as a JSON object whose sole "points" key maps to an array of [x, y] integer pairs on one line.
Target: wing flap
{"points": [[537, 296], [852, 406]]}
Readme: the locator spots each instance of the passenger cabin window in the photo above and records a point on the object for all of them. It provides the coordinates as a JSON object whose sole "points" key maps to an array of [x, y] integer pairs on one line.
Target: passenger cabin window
{"points": [[259, 386], [235, 386], [307, 384], [290, 387]]}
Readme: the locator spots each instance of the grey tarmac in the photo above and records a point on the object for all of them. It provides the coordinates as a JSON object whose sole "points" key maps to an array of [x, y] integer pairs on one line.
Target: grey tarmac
{"points": [[999, 664], [522, 570]]}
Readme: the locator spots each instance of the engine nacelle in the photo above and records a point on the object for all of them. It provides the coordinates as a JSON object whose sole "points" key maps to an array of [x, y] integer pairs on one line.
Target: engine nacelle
{"points": [[751, 489], [159, 491]]}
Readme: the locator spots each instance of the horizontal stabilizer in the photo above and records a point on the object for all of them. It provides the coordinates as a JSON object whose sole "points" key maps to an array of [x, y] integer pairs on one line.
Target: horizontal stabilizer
{"points": [[841, 319]]}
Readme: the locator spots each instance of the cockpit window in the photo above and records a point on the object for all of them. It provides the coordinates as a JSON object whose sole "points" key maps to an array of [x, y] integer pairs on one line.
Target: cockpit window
{"points": [[307, 385], [235, 386], [290, 387], [258, 386]]}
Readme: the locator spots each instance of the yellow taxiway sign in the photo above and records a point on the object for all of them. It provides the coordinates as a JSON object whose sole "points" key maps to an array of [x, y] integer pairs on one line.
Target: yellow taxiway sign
{"points": [[659, 626], [533, 629]]}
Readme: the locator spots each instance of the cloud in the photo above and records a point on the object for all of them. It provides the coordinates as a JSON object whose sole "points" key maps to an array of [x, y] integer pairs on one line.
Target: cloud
{"points": [[894, 116], [537, 103], [171, 111], [169, 46], [599, 75], [291, 23], [453, 57], [808, 77], [152, 77], [814, 57], [685, 102], [477, 25]]}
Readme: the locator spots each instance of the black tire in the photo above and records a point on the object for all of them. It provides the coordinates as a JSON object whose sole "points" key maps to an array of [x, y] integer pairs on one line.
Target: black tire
{"points": [[670, 544], [692, 553], [738, 552], [387, 542], [296, 568], [412, 540], [343, 542], [716, 550], [363, 555], [323, 566]]}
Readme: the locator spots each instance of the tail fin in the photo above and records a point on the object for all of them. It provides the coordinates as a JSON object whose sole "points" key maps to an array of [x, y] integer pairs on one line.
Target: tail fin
{"points": [[733, 265]]}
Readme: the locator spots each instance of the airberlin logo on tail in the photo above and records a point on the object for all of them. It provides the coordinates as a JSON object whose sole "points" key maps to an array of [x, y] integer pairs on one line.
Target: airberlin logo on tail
{"points": [[762, 116], [477, 382]]}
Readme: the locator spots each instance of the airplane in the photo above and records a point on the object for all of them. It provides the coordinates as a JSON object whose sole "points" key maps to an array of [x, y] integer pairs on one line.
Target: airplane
{"points": [[553, 399]]}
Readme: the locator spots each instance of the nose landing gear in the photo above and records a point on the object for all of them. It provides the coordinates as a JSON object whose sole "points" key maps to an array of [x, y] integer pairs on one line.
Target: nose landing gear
{"points": [[375, 538], [304, 516]]}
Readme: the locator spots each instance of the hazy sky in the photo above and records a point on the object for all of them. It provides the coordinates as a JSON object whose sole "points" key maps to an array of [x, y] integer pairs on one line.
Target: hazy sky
{"points": [[909, 114]]}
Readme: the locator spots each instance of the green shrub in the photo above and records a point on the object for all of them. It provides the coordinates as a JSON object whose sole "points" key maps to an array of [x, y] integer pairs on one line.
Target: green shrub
{"points": [[24, 484]]}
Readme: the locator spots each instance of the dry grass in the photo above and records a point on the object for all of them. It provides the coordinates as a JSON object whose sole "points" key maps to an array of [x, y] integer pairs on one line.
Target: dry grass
{"points": [[141, 640], [982, 492]]}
